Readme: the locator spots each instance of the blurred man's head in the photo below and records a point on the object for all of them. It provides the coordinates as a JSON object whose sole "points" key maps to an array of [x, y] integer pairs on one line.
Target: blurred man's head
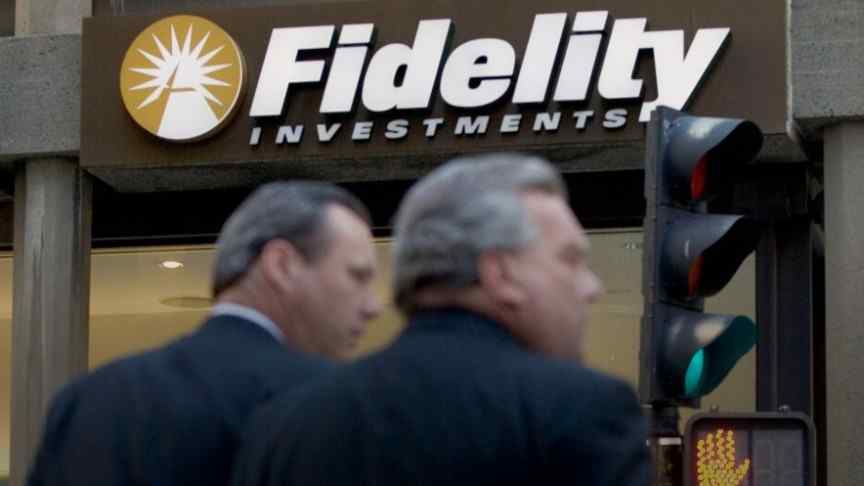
{"points": [[302, 254], [495, 234]]}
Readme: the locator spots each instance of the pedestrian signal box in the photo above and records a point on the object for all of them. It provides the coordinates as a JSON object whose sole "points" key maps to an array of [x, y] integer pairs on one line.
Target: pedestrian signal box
{"points": [[750, 449]]}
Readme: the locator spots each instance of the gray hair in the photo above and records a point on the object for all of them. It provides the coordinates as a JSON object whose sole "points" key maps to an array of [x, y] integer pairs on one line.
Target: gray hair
{"points": [[466, 207], [293, 211]]}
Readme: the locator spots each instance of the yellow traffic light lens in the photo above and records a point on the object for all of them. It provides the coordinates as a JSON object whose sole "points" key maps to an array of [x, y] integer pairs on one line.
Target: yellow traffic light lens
{"points": [[699, 179], [694, 276]]}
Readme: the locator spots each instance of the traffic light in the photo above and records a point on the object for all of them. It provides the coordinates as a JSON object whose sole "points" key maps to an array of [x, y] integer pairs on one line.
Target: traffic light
{"points": [[690, 254], [750, 448]]}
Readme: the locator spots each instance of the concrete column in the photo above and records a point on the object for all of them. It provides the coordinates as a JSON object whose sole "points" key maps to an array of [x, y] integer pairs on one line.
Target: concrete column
{"points": [[39, 119], [50, 16], [51, 294], [844, 302]]}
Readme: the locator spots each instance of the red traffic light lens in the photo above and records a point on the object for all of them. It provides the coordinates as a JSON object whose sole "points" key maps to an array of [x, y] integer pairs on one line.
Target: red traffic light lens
{"points": [[694, 277], [699, 178]]}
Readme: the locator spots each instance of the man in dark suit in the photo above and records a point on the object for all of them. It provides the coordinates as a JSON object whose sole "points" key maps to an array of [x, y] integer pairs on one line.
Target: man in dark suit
{"points": [[292, 281], [485, 387]]}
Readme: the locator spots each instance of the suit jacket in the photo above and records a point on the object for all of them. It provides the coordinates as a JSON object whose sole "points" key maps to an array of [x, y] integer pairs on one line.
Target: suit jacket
{"points": [[172, 416], [456, 400]]}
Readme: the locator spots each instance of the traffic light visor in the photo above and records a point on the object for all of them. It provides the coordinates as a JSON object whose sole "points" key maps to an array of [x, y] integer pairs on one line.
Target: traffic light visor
{"points": [[701, 349], [711, 364], [703, 152], [702, 252]]}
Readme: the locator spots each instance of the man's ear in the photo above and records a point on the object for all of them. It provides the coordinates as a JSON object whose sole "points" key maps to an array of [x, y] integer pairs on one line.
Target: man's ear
{"points": [[280, 263], [497, 279]]}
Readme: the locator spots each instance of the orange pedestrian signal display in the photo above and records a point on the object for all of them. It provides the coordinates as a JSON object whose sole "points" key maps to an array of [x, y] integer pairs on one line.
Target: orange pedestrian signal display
{"points": [[716, 459], [755, 449]]}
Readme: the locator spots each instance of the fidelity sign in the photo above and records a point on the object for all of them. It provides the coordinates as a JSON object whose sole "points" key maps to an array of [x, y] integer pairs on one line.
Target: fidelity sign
{"points": [[402, 78], [480, 72], [477, 73], [359, 86]]}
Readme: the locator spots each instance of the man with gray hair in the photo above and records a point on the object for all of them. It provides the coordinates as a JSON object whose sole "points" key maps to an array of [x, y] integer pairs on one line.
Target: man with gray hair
{"points": [[292, 281], [486, 385]]}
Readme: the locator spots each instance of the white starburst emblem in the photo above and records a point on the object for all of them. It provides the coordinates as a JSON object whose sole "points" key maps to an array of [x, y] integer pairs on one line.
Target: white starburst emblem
{"points": [[185, 92]]}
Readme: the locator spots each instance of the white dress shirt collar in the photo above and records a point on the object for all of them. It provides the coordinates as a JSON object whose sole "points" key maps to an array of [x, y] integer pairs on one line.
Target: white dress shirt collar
{"points": [[250, 314]]}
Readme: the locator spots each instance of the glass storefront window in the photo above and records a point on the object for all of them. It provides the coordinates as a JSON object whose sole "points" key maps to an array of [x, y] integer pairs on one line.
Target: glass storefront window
{"points": [[144, 297], [140, 299]]}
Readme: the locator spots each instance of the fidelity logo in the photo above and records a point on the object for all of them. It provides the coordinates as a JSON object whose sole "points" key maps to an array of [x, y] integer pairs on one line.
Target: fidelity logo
{"points": [[182, 78]]}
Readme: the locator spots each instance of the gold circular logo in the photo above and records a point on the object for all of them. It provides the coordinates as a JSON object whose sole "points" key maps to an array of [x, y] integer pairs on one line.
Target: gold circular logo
{"points": [[182, 78]]}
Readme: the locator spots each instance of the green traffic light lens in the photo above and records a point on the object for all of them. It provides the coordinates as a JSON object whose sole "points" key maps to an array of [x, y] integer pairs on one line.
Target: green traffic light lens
{"points": [[695, 373], [710, 364]]}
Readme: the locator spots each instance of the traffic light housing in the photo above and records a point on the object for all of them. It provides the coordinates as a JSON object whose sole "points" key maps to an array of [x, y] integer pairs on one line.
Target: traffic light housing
{"points": [[690, 253]]}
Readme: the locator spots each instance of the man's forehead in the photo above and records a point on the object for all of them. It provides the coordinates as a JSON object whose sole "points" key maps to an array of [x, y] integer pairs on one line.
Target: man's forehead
{"points": [[348, 234], [343, 219], [552, 214], [549, 208]]}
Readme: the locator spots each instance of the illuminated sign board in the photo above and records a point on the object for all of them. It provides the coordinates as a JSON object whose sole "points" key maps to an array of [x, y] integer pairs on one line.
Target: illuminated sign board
{"points": [[399, 77], [359, 84]]}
